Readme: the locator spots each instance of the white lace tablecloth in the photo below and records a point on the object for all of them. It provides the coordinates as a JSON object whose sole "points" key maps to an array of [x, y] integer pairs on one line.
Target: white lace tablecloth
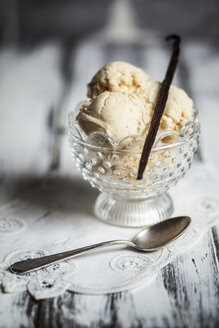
{"points": [[57, 216]]}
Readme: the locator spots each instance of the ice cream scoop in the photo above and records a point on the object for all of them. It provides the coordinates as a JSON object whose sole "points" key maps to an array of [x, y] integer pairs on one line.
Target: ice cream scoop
{"points": [[118, 115], [178, 109], [117, 76]]}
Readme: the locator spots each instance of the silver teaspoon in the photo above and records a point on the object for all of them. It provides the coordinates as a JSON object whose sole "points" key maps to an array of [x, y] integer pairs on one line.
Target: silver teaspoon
{"points": [[148, 239]]}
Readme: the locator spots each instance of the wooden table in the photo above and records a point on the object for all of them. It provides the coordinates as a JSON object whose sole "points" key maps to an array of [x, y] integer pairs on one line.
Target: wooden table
{"points": [[35, 97]]}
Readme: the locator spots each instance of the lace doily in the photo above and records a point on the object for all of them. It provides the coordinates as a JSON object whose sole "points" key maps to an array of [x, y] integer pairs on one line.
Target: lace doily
{"points": [[49, 220]]}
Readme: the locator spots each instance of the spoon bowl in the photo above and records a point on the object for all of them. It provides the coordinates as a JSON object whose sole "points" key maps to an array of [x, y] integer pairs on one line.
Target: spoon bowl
{"points": [[160, 234]]}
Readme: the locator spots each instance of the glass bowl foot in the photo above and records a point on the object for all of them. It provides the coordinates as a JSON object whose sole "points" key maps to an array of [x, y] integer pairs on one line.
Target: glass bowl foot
{"points": [[133, 213]]}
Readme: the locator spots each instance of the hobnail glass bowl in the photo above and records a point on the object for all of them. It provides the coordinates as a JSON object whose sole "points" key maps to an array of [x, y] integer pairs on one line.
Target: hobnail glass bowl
{"points": [[112, 168]]}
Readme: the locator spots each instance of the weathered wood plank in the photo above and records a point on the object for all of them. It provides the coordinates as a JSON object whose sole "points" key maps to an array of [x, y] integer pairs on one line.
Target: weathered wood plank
{"points": [[30, 88]]}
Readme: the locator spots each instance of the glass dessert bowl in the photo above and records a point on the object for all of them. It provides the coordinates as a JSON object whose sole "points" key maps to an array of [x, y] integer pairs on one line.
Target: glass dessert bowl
{"points": [[113, 169]]}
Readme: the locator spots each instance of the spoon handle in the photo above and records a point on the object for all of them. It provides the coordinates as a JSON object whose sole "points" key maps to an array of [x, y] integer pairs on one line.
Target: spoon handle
{"points": [[24, 266]]}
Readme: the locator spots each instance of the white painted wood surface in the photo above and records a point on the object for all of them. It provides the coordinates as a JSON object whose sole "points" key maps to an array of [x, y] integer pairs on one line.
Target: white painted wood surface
{"points": [[186, 292]]}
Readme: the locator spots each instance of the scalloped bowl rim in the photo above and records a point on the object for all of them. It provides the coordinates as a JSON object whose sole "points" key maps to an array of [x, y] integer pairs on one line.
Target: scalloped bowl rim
{"points": [[183, 139]]}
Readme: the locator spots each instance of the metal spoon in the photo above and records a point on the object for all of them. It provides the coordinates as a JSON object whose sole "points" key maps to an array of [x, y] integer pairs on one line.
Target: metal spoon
{"points": [[148, 239]]}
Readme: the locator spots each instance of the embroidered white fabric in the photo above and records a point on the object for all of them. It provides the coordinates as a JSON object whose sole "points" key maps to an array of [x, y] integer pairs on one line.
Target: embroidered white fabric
{"points": [[56, 217]]}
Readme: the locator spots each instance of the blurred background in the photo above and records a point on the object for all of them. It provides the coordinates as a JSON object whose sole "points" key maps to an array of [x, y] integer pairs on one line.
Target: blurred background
{"points": [[50, 49], [32, 21]]}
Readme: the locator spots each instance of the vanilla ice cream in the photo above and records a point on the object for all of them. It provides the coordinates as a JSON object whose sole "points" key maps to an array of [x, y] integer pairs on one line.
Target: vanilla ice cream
{"points": [[117, 77], [116, 114], [178, 110], [117, 109], [121, 104]]}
